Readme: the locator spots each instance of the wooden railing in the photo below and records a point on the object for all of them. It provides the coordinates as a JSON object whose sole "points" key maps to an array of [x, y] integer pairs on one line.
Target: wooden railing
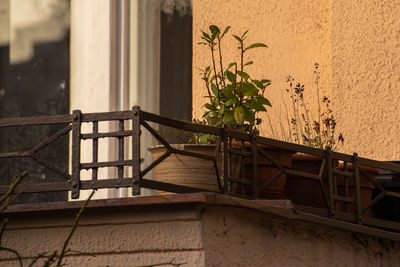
{"points": [[250, 148]]}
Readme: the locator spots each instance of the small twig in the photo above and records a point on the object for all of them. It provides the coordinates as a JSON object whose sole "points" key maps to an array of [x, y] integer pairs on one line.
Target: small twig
{"points": [[164, 263], [51, 259], [41, 255], [16, 180], [77, 218], [15, 252], [2, 228]]}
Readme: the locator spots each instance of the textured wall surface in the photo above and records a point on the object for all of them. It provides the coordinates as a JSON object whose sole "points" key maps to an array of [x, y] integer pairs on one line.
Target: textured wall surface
{"points": [[296, 32], [238, 237], [365, 76], [357, 44], [196, 233], [140, 237]]}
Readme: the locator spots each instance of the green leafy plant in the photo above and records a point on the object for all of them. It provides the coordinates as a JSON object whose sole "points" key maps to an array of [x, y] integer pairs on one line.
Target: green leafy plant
{"points": [[305, 130], [234, 97]]}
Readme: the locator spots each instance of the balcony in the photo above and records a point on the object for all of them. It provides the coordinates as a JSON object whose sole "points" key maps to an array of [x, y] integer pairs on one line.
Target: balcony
{"points": [[342, 208]]}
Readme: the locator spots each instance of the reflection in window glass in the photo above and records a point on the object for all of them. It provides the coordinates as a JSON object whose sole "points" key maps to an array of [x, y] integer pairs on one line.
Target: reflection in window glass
{"points": [[34, 80]]}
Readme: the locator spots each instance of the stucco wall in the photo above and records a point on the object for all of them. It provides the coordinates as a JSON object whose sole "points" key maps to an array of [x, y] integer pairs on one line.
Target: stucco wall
{"points": [[357, 44], [365, 75], [196, 229], [129, 237], [238, 237]]}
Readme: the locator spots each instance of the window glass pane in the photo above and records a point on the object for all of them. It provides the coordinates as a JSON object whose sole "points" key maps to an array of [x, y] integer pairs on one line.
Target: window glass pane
{"points": [[34, 80]]}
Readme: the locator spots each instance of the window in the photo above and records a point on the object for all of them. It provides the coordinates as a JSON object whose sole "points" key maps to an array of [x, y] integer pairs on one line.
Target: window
{"points": [[34, 80], [96, 56]]}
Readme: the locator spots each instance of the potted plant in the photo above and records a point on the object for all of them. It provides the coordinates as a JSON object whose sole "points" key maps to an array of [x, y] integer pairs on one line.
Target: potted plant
{"points": [[318, 133], [235, 100], [186, 170]]}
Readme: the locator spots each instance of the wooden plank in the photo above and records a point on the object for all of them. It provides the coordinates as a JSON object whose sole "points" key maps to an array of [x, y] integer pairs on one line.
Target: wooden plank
{"points": [[37, 120], [105, 135], [106, 116], [187, 126], [76, 153], [115, 163], [136, 116], [38, 188]]}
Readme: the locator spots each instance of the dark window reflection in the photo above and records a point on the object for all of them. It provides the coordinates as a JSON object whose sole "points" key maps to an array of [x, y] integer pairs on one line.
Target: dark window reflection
{"points": [[34, 76], [176, 59]]}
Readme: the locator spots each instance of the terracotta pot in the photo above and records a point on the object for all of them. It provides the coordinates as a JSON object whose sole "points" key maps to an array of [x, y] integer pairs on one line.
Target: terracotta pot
{"points": [[266, 171], [306, 191], [185, 170], [366, 187]]}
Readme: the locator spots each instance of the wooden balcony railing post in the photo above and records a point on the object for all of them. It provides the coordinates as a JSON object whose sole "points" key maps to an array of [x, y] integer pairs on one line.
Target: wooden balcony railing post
{"points": [[76, 153], [254, 193], [136, 175], [357, 187], [329, 159], [225, 157]]}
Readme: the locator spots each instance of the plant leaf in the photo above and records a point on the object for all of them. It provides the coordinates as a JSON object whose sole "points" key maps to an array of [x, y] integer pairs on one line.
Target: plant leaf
{"points": [[239, 115], [249, 116], [243, 74], [248, 63], [237, 38], [258, 83], [231, 65], [248, 89], [204, 139], [215, 101], [228, 91], [255, 45], [231, 102], [209, 106], [214, 29], [263, 101], [244, 34], [254, 105], [214, 89], [225, 31], [229, 117], [230, 76], [206, 36]]}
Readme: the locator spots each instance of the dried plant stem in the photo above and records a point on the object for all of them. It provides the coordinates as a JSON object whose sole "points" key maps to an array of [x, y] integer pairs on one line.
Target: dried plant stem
{"points": [[270, 125], [7, 198], [295, 115], [220, 61], [317, 87], [215, 72]]}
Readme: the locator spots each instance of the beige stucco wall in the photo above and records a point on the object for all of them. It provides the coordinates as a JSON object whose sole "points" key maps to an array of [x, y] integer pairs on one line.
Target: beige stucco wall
{"points": [[356, 43], [134, 237], [203, 230], [365, 75], [252, 238]]}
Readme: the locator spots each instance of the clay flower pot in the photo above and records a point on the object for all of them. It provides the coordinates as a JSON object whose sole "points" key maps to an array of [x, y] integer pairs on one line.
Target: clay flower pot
{"points": [[186, 170], [306, 191], [266, 170]]}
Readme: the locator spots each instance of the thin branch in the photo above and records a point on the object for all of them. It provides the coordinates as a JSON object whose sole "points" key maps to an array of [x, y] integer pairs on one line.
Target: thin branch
{"points": [[41, 255], [16, 180], [15, 252], [164, 263], [77, 218]]}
